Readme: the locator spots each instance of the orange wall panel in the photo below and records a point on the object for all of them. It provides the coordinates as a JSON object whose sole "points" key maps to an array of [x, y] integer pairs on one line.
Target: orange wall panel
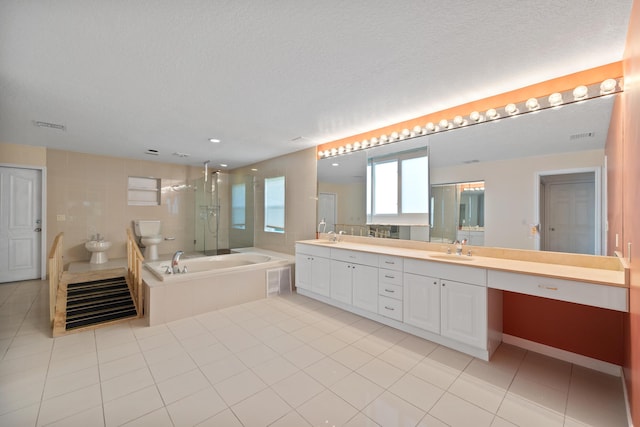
{"points": [[590, 331]]}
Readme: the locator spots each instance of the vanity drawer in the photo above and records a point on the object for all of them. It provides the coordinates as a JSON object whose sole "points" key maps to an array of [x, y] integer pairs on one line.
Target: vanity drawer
{"points": [[364, 258], [390, 307], [610, 297], [313, 250], [449, 271], [390, 262], [390, 276], [389, 290]]}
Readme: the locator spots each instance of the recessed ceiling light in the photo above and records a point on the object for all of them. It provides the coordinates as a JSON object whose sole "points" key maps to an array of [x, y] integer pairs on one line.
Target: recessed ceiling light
{"points": [[214, 140], [223, 165], [254, 170], [335, 164]]}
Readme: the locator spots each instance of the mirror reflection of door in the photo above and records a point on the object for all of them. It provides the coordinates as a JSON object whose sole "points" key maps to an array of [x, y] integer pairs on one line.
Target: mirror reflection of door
{"points": [[443, 215], [327, 210], [568, 211]]}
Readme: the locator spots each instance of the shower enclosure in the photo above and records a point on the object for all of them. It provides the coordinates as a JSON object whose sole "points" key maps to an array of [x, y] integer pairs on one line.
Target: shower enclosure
{"points": [[211, 214]]}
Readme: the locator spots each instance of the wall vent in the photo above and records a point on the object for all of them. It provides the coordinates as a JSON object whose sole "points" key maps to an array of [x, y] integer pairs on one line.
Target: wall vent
{"points": [[581, 135], [49, 125]]}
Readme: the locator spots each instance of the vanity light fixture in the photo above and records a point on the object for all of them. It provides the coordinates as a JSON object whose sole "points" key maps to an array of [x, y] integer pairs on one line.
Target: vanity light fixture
{"points": [[459, 121], [476, 117], [579, 94], [608, 86], [492, 114], [555, 99], [532, 104], [511, 109]]}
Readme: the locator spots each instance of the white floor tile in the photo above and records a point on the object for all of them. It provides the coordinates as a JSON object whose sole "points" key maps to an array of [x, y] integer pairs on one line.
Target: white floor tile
{"points": [[275, 370], [298, 388], [292, 419], [225, 418], [357, 390], [71, 382], [196, 408], [261, 409], [63, 406], [479, 392], [182, 385], [459, 413], [132, 406], [222, 369], [327, 371], [125, 384], [416, 391], [352, 357], [256, 355], [326, 408], [158, 418], [380, 372], [239, 387], [390, 410], [24, 417], [303, 356], [524, 413]]}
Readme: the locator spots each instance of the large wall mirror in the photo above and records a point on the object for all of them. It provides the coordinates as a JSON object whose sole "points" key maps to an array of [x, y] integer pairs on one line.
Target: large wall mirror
{"points": [[510, 157]]}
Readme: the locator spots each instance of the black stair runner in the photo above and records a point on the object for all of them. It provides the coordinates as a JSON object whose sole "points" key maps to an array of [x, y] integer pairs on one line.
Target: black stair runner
{"points": [[99, 301]]}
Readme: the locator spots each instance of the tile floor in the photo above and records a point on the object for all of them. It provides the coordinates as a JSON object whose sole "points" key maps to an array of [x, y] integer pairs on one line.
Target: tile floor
{"points": [[284, 361]]}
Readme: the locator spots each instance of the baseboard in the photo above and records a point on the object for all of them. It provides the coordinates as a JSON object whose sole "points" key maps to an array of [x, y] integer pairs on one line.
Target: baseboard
{"points": [[567, 356], [626, 400]]}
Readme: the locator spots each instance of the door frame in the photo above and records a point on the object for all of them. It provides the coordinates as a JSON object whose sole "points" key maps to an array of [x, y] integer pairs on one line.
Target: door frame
{"points": [[43, 212], [600, 209]]}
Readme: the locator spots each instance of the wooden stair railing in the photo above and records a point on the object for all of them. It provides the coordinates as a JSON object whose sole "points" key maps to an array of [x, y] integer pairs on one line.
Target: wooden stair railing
{"points": [[56, 268], [134, 272]]}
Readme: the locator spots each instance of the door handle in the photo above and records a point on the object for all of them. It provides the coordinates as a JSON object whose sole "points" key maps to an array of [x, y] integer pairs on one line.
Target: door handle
{"points": [[38, 229]]}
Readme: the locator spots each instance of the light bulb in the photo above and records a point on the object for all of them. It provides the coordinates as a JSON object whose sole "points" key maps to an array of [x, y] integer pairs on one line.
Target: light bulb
{"points": [[365, 143], [374, 141], [444, 124], [417, 130], [394, 136], [459, 121], [384, 139], [430, 127], [340, 150], [334, 151], [532, 104], [475, 116], [406, 132], [348, 147], [555, 99], [492, 114], [327, 153], [608, 86], [356, 145], [320, 153], [511, 109], [580, 92]]}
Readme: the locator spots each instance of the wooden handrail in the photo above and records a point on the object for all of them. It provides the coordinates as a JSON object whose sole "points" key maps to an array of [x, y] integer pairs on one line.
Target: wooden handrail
{"points": [[56, 267], [134, 271]]}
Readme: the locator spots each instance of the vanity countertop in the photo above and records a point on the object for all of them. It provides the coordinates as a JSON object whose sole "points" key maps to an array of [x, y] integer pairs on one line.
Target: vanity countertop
{"points": [[605, 270]]}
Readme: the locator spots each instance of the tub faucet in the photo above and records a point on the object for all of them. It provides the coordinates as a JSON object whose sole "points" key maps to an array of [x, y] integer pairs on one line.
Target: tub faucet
{"points": [[174, 261]]}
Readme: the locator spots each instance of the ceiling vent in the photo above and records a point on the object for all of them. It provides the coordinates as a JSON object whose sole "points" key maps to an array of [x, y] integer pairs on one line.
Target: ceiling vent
{"points": [[179, 154], [152, 152], [49, 125], [581, 135]]}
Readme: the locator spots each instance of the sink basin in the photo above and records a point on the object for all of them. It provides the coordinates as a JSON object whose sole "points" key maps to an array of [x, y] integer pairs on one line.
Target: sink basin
{"points": [[452, 257]]}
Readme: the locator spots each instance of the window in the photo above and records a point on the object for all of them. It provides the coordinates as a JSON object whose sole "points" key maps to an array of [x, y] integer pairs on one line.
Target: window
{"points": [[398, 188], [274, 204], [238, 206]]}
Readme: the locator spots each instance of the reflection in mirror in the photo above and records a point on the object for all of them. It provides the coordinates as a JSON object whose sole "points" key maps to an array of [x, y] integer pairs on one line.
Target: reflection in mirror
{"points": [[506, 155], [458, 213]]}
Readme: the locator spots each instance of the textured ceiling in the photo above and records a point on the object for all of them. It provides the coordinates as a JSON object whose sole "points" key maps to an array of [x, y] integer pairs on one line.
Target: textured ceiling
{"points": [[127, 76]]}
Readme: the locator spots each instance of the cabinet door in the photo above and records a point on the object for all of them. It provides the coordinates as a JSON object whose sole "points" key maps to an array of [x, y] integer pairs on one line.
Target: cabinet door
{"points": [[365, 287], [422, 302], [464, 313], [321, 276], [341, 277], [303, 271]]}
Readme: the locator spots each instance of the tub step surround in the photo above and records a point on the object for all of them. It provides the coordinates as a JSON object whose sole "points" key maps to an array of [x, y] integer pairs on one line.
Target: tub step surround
{"points": [[91, 300]]}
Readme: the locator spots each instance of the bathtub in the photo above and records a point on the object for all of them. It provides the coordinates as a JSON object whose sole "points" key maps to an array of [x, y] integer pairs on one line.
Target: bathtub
{"points": [[206, 266], [211, 283]]}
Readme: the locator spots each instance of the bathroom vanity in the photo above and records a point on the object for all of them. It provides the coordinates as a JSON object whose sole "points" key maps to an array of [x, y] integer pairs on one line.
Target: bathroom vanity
{"points": [[453, 300]]}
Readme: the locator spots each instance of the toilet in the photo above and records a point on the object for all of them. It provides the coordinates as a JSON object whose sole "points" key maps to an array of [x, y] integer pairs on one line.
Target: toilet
{"points": [[149, 233]]}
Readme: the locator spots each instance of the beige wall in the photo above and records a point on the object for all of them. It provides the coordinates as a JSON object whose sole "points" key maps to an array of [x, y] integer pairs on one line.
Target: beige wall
{"points": [[23, 155], [87, 194], [299, 170], [510, 187]]}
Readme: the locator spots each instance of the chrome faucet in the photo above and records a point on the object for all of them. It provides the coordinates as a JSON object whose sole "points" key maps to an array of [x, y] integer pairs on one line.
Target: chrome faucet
{"points": [[332, 236], [174, 262]]}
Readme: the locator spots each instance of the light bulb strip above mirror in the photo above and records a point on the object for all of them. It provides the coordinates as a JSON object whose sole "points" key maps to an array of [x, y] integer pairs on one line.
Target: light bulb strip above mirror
{"points": [[571, 88], [580, 93]]}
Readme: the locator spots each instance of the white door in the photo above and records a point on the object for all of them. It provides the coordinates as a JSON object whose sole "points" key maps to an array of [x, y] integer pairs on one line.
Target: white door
{"points": [[422, 302], [20, 224], [327, 210], [568, 224]]}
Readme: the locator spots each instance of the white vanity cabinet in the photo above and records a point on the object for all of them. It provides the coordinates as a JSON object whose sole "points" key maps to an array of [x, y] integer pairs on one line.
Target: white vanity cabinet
{"points": [[450, 300], [354, 278], [390, 289], [313, 268]]}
